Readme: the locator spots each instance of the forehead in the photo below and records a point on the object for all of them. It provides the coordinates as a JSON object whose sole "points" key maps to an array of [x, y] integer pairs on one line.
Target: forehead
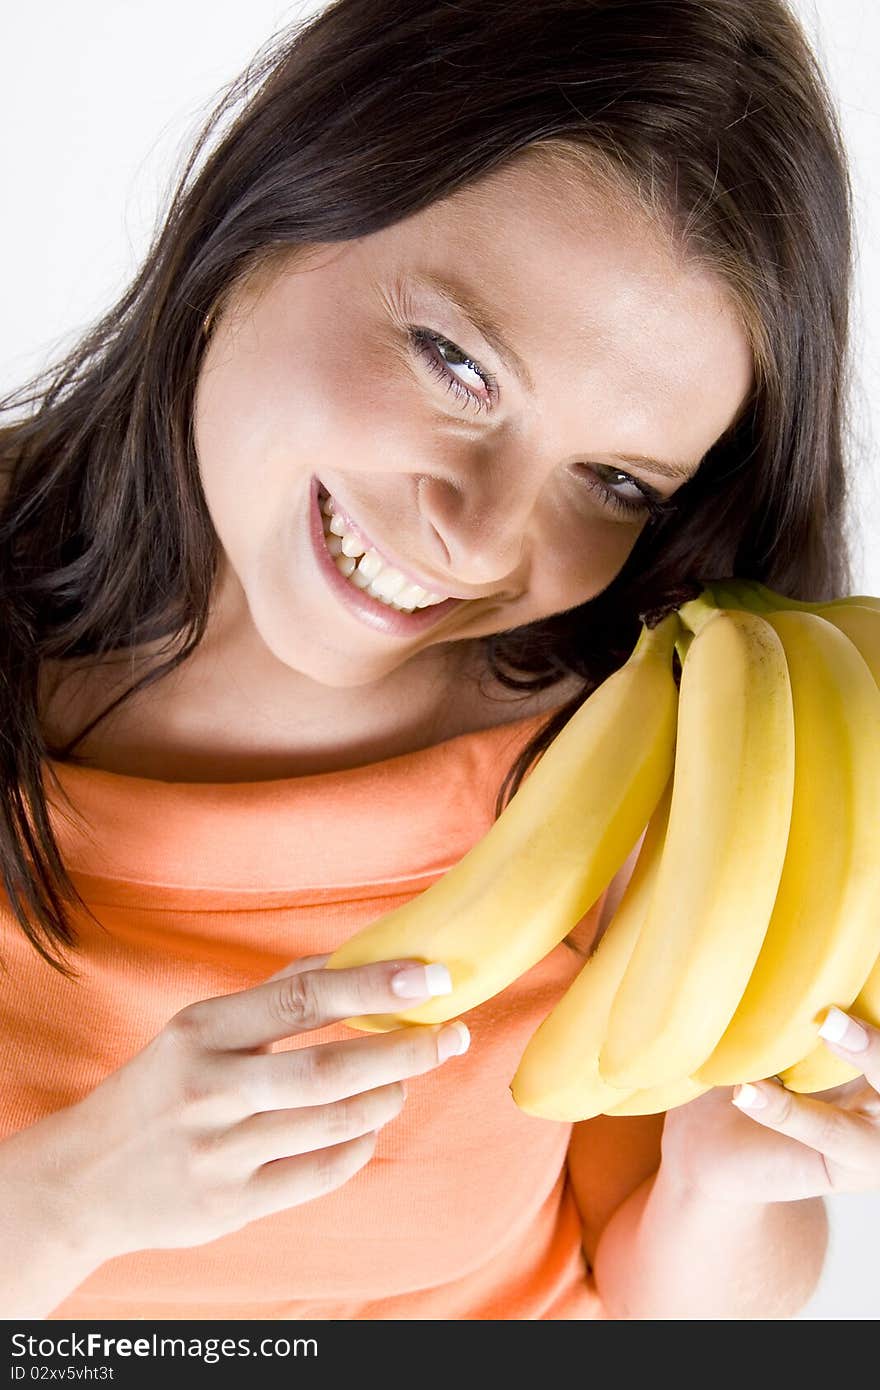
{"points": [[593, 293]]}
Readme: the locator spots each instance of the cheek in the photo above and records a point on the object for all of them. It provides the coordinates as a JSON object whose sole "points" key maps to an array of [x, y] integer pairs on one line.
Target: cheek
{"points": [[581, 560], [348, 404], [264, 419], [375, 420]]}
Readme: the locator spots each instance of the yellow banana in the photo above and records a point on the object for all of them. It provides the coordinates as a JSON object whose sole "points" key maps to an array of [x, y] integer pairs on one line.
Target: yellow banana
{"points": [[862, 627], [824, 930], [558, 1074], [821, 1069], [855, 615], [723, 856], [654, 1099], [554, 848]]}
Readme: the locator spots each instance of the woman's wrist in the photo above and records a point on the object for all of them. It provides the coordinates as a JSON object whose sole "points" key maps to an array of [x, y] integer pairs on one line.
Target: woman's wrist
{"points": [[85, 1230], [46, 1248], [676, 1190], [51, 1236]]}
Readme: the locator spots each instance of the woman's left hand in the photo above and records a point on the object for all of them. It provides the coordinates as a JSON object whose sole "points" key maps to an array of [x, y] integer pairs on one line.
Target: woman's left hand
{"points": [[793, 1146]]}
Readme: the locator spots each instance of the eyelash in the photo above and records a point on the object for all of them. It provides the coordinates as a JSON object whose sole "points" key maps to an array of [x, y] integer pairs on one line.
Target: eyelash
{"points": [[424, 341]]}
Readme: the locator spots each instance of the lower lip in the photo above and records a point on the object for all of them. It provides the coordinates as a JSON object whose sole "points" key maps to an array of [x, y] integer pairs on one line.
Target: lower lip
{"points": [[369, 610]]}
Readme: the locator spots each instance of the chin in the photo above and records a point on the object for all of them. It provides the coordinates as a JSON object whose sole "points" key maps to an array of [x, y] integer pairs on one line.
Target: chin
{"points": [[341, 670], [339, 674]]}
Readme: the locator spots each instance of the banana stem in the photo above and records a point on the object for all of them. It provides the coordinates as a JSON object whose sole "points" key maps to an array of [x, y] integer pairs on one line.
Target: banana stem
{"points": [[742, 593], [660, 639], [755, 597], [774, 602], [699, 611]]}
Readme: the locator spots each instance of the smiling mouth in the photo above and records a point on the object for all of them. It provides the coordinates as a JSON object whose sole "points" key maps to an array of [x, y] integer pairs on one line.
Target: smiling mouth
{"points": [[365, 567]]}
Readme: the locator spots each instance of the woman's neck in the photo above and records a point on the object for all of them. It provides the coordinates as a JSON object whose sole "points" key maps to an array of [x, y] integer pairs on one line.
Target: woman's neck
{"points": [[217, 720]]}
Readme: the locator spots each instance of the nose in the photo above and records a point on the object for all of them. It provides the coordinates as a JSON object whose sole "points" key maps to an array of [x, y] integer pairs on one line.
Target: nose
{"points": [[483, 517]]}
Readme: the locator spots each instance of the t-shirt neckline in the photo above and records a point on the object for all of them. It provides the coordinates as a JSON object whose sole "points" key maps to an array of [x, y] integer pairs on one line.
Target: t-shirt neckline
{"points": [[399, 818]]}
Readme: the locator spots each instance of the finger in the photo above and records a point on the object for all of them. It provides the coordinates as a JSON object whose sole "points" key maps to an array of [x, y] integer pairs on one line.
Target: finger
{"points": [[855, 1040], [848, 1094], [328, 1072], [295, 966], [275, 1134], [288, 1182], [843, 1138], [295, 1001]]}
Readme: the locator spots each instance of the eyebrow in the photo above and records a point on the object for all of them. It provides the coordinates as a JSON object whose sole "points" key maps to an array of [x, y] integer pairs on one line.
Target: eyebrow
{"points": [[664, 468], [462, 298]]}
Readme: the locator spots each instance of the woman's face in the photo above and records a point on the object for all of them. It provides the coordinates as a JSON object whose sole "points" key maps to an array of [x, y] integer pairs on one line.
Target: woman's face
{"points": [[507, 466]]}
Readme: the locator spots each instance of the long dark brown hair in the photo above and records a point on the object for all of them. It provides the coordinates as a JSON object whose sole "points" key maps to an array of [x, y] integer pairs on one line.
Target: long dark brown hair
{"points": [[712, 114]]}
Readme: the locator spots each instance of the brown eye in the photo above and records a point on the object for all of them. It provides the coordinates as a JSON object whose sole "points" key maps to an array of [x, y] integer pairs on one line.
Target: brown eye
{"points": [[600, 476], [427, 345]]}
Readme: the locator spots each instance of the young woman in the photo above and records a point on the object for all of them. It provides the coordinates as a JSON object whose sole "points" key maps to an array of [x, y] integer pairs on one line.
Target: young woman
{"points": [[481, 330]]}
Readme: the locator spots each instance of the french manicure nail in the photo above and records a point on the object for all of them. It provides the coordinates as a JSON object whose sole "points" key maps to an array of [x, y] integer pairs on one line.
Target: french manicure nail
{"points": [[748, 1097], [454, 1039], [417, 981], [838, 1027]]}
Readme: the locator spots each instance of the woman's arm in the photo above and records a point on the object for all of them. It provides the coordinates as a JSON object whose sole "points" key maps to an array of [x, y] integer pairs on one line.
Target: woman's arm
{"points": [[47, 1245], [667, 1253]]}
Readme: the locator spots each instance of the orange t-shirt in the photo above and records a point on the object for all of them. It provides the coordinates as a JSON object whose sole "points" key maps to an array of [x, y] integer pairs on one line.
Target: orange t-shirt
{"points": [[469, 1208]]}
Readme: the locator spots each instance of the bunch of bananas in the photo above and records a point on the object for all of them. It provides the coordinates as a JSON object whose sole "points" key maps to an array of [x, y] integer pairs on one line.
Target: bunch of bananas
{"points": [[754, 903]]}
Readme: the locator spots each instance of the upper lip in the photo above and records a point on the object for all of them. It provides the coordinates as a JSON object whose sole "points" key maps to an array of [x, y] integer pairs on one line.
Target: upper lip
{"points": [[432, 586]]}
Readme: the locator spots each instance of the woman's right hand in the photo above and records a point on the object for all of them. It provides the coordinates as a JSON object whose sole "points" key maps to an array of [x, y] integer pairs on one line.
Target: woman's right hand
{"points": [[205, 1129]]}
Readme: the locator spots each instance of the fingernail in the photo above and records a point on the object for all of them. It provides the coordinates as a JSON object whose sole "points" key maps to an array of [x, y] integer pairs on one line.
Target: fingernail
{"points": [[453, 1040], [838, 1027], [416, 981], [748, 1097]]}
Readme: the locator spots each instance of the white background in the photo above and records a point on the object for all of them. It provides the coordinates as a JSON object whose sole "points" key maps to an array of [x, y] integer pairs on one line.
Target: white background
{"points": [[98, 102]]}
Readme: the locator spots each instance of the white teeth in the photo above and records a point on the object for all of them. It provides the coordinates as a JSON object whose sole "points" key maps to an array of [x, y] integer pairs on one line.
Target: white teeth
{"points": [[368, 570], [352, 546], [370, 564], [409, 595], [388, 583]]}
